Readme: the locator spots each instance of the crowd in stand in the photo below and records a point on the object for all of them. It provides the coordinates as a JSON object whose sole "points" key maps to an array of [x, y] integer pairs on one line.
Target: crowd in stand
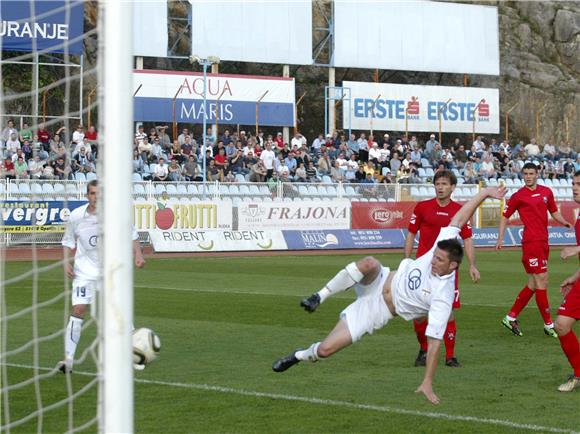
{"points": [[231, 157]]}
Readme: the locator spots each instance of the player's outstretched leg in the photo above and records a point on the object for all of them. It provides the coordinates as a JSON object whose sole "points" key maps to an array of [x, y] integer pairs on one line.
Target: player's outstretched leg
{"points": [[346, 278], [510, 321], [571, 347], [336, 340]]}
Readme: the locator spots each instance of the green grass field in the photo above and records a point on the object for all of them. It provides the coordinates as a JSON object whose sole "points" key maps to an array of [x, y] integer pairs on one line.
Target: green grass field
{"points": [[223, 321]]}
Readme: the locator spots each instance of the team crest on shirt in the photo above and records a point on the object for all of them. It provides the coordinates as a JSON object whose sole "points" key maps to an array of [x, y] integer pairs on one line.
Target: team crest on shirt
{"points": [[413, 219], [414, 279], [533, 262], [545, 199]]}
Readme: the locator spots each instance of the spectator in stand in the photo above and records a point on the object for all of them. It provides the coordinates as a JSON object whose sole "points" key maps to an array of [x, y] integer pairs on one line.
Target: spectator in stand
{"points": [[57, 149], [569, 169], [48, 172], [469, 173], [138, 165], [84, 144], [279, 141], [363, 146], [532, 150], [353, 144], [317, 144], [368, 179], [221, 158], [83, 162], [268, 158], [237, 163], [186, 148], [78, 134], [156, 151], [61, 168], [91, 135], [7, 169], [12, 144], [324, 164], [565, 151], [231, 148], [21, 168], [26, 133], [258, 172], [191, 170], [577, 163], [494, 148], [213, 173], [395, 163], [336, 173], [36, 167], [460, 157], [350, 174], [430, 147], [174, 171], [26, 150], [161, 131], [505, 147], [183, 135], [487, 169], [37, 148], [447, 159], [360, 174], [281, 167], [44, 137], [161, 171], [140, 135], [144, 148], [549, 152], [298, 140], [374, 153], [416, 155], [311, 173], [250, 160], [8, 131], [175, 153], [478, 147], [292, 165], [352, 163], [301, 175], [436, 154]]}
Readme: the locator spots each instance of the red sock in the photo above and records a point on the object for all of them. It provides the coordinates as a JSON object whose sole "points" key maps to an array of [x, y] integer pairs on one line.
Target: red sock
{"points": [[420, 328], [449, 338], [521, 300], [571, 347], [543, 305]]}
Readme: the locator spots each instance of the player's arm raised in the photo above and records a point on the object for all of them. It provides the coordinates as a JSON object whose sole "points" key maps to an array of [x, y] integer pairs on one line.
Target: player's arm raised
{"points": [[467, 210], [470, 253]]}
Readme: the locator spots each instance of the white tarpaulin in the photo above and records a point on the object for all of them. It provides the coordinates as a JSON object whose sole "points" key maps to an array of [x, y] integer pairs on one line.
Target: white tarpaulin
{"points": [[294, 215], [417, 36], [272, 31], [217, 241], [387, 105], [150, 28]]}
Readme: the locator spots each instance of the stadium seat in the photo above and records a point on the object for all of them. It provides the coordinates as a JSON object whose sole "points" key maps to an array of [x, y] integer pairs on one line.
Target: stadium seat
{"points": [[236, 200], [240, 178], [548, 182], [34, 188], [58, 188], [181, 189], [492, 182], [349, 191], [247, 199], [422, 172], [460, 180], [79, 176], [541, 181], [234, 190], [136, 177], [192, 189], [455, 172], [244, 190], [224, 189], [23, 188], [509, 182], [159, 188], [91, 176], [47, 188], [331, 191], [71, 189], [138, 189], [171, 189], [254, 190], [416, 193], [312, 191], [326, 179], [264, 190], [267, 199], [429, 172], [303, 190], [425, 163]]}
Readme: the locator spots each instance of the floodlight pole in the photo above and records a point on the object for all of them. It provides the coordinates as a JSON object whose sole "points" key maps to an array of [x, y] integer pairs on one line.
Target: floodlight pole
{"points": [[258, 110], [296, 113], [210, 60], [507, 121], [441, 108], [174, 114], [473, 115], [373, 112]]}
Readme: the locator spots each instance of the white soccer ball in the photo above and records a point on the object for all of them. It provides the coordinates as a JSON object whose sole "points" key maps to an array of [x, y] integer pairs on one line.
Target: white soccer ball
{"points": [[146, 346]]}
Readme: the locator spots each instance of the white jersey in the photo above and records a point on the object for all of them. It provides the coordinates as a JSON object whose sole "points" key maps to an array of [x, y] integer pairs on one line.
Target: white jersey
{"points": [[417, 292], [82, 233]]}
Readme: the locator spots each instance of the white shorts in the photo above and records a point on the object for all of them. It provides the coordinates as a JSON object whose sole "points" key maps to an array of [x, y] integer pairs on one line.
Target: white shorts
{"points": [[83, 291], [369, 312]]}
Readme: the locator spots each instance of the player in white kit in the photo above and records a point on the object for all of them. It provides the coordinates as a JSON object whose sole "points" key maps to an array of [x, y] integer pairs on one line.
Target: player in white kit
{"points": [[423, 287], [80, 237]]}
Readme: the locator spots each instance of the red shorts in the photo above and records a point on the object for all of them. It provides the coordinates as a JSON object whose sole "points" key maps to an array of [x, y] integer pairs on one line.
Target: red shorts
{"points": [[571, 304], [456, 300], [535, 257]]}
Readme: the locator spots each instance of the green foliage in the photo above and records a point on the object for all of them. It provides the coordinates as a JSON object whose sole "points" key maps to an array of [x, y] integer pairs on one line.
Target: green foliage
{"points": [[223, 321]]}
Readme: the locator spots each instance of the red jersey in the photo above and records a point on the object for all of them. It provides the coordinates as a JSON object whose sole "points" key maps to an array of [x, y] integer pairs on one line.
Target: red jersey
{"points": [[43, 136], [91, 136], [429, 217], [533, 207], [577, 230]]}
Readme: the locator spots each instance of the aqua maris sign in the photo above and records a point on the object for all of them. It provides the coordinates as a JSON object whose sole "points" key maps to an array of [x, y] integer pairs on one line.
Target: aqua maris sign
{"points": [[47, 26], [418, 108], [230, 99]]}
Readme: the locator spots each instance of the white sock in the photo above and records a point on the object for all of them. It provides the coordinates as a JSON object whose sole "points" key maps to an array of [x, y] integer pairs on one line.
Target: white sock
{"points": [[344, 279], [310, 354], [510, 318], [72, 337]]}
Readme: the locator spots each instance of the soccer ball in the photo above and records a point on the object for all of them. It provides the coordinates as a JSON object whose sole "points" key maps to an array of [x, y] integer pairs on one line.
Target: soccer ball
{"points": [[146, 346]]}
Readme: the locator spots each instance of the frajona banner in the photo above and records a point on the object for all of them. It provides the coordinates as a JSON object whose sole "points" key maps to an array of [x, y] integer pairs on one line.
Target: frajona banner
{"points": [[182, 217], [398, 107], [42, 216], [381, 215], [294, 215], [42, 25], [217, 241], [231, 99]]}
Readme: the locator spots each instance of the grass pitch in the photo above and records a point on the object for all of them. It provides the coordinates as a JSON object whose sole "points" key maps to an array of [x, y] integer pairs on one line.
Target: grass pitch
{"points": [[223, 321]]}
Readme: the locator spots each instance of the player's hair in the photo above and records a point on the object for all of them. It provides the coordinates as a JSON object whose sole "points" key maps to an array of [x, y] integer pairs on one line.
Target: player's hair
{"points": [[446, 174], [530, 165], [93, 183], [453, 248], [577, 173]]}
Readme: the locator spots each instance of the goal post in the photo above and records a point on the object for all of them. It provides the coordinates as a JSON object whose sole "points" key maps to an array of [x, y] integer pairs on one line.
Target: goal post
{"points": [[116, 117]]}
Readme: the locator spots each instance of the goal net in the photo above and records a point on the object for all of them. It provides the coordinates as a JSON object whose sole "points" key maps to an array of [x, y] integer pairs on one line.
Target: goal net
{"points": [[60, 90]]}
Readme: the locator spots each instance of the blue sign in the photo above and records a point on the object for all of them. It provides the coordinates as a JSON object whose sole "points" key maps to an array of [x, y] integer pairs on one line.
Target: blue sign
{"points": [[42, 25], [42, 213], [344, 239]]}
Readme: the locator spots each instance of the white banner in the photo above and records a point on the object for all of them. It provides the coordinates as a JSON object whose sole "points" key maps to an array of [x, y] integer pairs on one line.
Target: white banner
{"points": [[217, 241], [237, 96], [383, 106], [416, 36], [194, 216], [263, 31], [150, 33], [294, 215]]}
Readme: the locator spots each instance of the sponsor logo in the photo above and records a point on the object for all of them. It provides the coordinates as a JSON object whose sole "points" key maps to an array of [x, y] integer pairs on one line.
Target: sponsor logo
{"points": [[483, 109], [442, 213], [253, 210], [533, 262], [414, 279], [318, 240], [387, 216], [308, 212], [413, 108]]}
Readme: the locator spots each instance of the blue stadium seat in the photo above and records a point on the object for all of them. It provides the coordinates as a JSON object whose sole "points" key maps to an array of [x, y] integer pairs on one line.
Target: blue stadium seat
{"points": [[136, 177], [192, 189], [171, 189], [91, 176], [79, 176], [181, 189], [138, 189]]}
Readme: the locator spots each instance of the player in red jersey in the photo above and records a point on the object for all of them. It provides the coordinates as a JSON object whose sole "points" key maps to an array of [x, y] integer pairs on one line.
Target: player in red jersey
{"points": [[428, 218], [532, 202], [569, 311]]}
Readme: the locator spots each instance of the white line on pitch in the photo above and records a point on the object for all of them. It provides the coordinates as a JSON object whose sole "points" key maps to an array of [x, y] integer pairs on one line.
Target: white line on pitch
{"points": [[332, 402]]}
